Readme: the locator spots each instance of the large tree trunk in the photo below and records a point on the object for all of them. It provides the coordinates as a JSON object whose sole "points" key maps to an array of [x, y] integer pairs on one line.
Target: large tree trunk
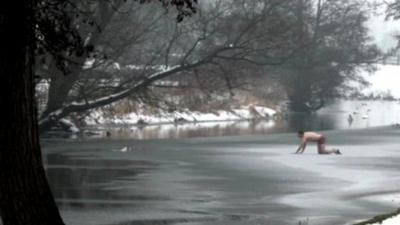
{"points": [[25, 196]]}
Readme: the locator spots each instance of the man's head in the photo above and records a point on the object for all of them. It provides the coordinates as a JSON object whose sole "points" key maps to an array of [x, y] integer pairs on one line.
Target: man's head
{"points": [[300, 133]]}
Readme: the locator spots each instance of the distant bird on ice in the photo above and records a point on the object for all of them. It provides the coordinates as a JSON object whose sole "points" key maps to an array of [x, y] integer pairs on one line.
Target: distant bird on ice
{"points": [[125, 149]]}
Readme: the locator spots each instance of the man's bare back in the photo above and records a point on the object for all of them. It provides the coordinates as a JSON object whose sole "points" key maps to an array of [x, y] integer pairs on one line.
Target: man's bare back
{"points": [[311, 136]]}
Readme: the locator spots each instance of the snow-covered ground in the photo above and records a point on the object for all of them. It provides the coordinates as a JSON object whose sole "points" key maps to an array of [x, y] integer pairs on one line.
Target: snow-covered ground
{"points": [[164, 117], [390, 221]]}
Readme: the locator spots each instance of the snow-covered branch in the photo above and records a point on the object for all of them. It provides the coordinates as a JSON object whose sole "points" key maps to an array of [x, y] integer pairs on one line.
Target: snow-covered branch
{"points": [[49, 120]]}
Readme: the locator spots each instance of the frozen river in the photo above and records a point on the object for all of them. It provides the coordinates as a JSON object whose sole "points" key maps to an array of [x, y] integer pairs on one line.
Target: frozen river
{"points": [[225, 180], [251, 177]]}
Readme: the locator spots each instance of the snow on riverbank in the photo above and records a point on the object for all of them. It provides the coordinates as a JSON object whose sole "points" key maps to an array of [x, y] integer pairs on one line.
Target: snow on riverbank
{"points": [[390, 221], [163, 117]]}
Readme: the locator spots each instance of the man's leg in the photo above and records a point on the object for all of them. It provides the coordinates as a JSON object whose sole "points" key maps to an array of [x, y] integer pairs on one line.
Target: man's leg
{"points": [[322, 150]]}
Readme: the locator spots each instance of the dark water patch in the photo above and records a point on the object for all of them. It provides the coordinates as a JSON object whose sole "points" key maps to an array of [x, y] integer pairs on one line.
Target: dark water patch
{"points": [[78, 182], [110, 202], [372, 163], [194, 212], [174, 221], [236, 217], [93, 161], [67, 172], [69, 185], [216, 219]]}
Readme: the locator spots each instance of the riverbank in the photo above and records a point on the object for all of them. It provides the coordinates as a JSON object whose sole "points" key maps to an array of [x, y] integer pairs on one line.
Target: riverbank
{"points": [[384, 219], [364, 114], [160, 116], [237, 180]]}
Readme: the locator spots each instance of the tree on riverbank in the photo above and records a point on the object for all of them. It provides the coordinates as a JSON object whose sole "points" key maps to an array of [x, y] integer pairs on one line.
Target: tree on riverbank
{"points": [[311, 49], [333, 44], [25, 196], [220, 46]]}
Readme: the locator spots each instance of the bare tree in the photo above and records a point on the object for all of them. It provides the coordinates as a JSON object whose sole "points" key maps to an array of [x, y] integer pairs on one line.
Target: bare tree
{"points": [[157, 50], [333, 44]]}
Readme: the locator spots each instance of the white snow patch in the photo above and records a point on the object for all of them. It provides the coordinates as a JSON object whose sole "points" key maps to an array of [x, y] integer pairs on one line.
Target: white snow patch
{"points": [[390, 221], [185, 115], [116, 66], [71, 126], [88, 63], [42, 86]]}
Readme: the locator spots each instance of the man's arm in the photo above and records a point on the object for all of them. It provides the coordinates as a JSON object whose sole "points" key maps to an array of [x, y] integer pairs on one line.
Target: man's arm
{"points": [[302, 146]]}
